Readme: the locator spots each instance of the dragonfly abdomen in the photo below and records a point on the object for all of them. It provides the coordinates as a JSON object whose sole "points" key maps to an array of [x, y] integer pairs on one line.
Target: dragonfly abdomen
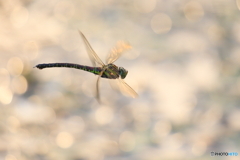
{"points": [[94, 70]]}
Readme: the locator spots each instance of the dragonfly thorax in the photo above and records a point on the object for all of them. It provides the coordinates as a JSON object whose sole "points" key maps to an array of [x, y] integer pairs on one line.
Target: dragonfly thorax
{"points": [[112, 71], [123, 72]]}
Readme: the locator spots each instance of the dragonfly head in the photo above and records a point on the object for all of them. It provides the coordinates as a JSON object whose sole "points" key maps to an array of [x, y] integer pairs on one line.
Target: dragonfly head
{"points": [[123, 72]]}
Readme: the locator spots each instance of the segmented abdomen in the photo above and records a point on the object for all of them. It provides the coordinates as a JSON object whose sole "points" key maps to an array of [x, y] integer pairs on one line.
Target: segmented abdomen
{"points": [[111, 71], [94, 70]]}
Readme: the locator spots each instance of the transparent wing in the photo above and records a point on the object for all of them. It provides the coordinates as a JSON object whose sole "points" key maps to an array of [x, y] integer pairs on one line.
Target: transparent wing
{"points": [[97, 90], [125, 88], [91, 53], [97, 87], [117, 51]]}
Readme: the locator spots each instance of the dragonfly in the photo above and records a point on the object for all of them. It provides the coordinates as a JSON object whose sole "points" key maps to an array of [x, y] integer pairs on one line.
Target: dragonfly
{"points": [[109, 70]]}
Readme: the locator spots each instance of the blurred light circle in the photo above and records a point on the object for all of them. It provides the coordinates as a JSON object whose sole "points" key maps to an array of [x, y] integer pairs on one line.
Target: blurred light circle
{"points": [[6, 95], [104, 115], [64, 139], [127, 141], [19, 85], [193, 11], [204, 72], [145, 6], [216, 33], [161, 23], [15, 66]]}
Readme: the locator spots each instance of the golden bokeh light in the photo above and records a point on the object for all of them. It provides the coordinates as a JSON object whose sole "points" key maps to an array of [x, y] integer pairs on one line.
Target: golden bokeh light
{"points": [[19, 85], [15, 66], [216, 33], [64, 140], [104, 115], [193, 11], [127, 141], [161, 23], [6, 95], [145, 6]]}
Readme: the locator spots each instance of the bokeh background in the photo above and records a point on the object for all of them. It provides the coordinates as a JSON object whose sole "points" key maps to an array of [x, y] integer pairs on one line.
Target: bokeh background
{"points": [[184, 64]]}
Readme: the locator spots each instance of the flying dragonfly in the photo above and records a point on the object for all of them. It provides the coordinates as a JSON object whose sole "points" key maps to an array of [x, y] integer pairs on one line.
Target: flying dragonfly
{"points": [[109, 71]]}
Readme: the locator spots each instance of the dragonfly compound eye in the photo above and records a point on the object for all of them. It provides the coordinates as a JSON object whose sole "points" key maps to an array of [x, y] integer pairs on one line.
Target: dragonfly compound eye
{"points": [[123, 72]]}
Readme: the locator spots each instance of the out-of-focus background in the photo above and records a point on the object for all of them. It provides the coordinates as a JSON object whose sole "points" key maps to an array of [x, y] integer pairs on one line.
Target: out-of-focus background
{"points": [[184, 64]]}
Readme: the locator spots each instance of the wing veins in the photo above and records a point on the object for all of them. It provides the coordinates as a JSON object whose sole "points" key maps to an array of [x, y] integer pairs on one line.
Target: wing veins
{"points": [[91, 53]]}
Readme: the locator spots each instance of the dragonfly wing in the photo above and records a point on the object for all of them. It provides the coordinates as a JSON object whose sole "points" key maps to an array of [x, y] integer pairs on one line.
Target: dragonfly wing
{"points": [[125, 88], [117, 51], [97, 86], [91, 53], [97, 90]]}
